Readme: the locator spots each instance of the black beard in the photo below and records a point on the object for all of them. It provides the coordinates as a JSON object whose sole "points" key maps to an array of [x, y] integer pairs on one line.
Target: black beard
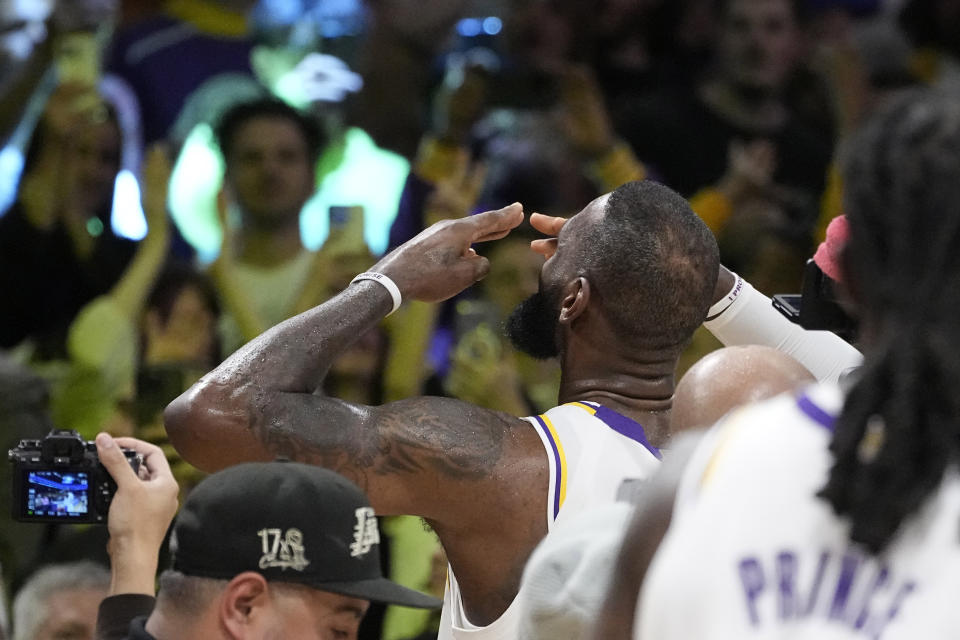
{"points": [[532, 327]]}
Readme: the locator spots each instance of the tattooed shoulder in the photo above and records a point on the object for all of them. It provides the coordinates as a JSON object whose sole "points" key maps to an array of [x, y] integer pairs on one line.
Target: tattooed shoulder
{"points": [[451, 437], [425, 435]]}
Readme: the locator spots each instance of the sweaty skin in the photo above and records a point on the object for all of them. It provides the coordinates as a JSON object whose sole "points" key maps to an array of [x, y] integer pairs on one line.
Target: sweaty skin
{"points": [[479, 477]]}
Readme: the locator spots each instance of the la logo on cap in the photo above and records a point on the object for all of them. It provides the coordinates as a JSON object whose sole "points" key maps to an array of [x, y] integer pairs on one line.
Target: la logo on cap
{"points": [[365, 532], [282, 551]]}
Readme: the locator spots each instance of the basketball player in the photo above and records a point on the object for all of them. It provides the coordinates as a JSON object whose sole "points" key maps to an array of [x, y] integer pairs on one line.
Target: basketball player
{"points": [[624, 286], [835, 513], [567, 577], [729, 377]]}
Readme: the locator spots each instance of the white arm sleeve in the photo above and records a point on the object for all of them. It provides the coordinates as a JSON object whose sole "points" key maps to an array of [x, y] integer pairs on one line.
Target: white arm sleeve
{"points": [[752, 319]]}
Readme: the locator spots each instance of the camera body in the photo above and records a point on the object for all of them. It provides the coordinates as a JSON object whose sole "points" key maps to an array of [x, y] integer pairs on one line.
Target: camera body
{"points": [[59, 478], [817, 307]]}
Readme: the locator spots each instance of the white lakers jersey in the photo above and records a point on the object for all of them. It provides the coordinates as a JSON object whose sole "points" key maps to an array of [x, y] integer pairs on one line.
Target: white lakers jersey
{"points": [[751, 552], [592, 451]]}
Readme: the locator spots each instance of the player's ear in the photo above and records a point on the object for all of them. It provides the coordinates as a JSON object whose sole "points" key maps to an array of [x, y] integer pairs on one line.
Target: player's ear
{"points": [[576, 296], [245, 604]]}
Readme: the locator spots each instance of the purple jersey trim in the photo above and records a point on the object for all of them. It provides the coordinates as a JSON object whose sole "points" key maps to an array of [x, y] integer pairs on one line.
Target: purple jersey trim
{"points": [[556, 458], [815, 413], [626, 427]]}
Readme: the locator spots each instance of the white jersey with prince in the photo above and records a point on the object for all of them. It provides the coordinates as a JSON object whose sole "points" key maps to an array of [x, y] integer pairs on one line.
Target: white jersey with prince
{"points": [[592, 450], [753, 553]]}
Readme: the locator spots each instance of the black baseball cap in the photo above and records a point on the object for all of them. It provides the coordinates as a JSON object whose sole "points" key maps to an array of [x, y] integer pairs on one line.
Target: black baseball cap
{"points": [[290, 522]]}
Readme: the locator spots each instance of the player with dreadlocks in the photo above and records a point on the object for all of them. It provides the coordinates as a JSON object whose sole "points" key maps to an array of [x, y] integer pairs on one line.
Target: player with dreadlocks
{"points": [[833, 513], [900, 425]]}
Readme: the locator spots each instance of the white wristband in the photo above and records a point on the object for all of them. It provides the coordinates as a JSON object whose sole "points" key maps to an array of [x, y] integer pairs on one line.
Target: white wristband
{"points": [[387, 283], [727, 300]]}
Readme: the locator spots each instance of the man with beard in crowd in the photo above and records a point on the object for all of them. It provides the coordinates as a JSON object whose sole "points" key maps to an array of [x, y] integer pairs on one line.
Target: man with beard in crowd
{"points": [[625, 283], [738, 144]]}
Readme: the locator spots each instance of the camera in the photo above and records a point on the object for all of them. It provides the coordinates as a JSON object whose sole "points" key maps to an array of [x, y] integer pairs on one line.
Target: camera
{"points": [[817, 307], [60, 479]]}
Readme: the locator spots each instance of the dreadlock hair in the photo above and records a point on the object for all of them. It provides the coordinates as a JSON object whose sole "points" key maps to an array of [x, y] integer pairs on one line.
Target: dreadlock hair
{"points": [[900, 425]]}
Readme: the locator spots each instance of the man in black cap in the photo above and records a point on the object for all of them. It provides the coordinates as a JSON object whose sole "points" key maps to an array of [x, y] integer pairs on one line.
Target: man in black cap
{"points": [[260, 550]]}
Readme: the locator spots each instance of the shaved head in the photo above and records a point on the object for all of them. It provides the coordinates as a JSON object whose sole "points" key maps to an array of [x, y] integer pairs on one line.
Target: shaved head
{"points": [[728, 378]]}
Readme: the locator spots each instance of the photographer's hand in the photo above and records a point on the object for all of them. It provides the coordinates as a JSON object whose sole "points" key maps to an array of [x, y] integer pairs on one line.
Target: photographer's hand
{"points": [[140, 512]]}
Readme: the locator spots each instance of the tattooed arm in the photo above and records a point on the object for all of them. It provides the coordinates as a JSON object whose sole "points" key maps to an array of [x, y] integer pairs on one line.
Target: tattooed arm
{"points": [[478, 476], [263, 401]]}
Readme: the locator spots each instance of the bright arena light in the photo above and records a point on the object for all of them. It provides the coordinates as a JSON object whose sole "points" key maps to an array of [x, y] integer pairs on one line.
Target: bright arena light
{"points": [[492, 25], [127, 217], [11, 166], [194, 185], [469, 27]]}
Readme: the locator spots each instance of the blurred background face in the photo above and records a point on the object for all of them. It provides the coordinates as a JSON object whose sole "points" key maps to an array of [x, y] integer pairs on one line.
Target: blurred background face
{"points": [[98, 161], [270, 171], [758, 43], [538, 35], [71, 615]]}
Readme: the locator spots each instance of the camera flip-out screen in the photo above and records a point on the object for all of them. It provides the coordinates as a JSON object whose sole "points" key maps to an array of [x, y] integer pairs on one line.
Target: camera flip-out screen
{"points": [[60, 479], [56, 494]]}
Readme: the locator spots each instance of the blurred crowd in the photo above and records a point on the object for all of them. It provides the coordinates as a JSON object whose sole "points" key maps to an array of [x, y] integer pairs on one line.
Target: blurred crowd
{"points": [[331, 132]]}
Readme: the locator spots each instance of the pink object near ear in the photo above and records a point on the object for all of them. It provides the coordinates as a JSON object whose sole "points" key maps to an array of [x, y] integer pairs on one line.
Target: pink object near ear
{"points": [[827, 256]]}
